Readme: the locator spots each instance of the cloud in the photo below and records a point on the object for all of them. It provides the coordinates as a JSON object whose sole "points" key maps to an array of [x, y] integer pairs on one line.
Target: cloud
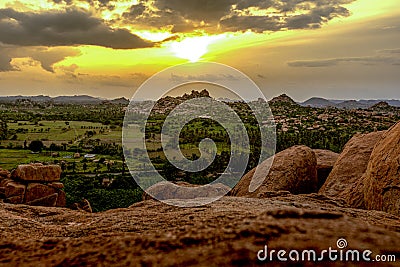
{"points": [[197, 10], [46, 56], [383, 57], [257, 24], [204, 77], [63, 28], [5, 63], [235, 15]]}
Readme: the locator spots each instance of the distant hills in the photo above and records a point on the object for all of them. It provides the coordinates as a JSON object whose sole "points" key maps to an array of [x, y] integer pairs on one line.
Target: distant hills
{"points": [[76, 99], [319, 102], [315, 102]]}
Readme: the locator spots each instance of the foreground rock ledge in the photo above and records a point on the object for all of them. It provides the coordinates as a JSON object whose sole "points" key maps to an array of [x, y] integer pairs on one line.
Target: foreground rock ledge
{"points": [[228, 232]]}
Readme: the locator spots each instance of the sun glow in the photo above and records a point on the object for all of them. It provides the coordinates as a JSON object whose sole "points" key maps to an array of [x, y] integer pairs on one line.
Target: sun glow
{"points": [[193, 48]]}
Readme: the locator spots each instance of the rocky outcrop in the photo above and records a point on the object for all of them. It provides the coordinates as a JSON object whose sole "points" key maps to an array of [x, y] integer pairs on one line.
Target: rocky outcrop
{"points": [[37, 173], [34, 184], [293, 170], [228, 232], [346, 178], [325, 161], [183, 190], [84, 205], [382, 178], [282, 99]]}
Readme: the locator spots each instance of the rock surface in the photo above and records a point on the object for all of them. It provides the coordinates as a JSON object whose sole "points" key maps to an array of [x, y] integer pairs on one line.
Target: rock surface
{"points": [[293, 170], [382, 178], [346, 178], [229, 232], [183, 190], [325, 161], [37, 173]]}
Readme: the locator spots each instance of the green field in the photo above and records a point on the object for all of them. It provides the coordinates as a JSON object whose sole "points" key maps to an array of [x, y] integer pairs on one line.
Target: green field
{"points": [[59, 132], [11, 158]]}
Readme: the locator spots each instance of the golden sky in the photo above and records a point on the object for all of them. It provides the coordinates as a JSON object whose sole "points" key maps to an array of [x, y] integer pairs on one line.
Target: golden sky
{"points": [[331, 48]]}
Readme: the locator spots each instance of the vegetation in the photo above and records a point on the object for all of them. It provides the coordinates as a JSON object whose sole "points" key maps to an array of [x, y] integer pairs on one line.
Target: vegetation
{"points": [[85, 140]]}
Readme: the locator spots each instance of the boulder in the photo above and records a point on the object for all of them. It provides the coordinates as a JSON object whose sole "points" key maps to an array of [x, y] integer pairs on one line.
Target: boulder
{"points": [[47, 201], [37, 191], [61, 199], [382, 178], [325, 161], [84, 205], [14, 189], [37, 173], [15, 199], [4, 174], [346, 178], [56, 185], [182, 190], [293, 170]]}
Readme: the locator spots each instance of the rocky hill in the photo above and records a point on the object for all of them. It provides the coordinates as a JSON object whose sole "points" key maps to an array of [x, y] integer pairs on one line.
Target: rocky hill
{"points": [[285, 99], [318, 102]]}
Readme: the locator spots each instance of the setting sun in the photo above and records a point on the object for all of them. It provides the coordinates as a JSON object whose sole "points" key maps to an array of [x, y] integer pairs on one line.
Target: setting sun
{"points": [[193, 48]]}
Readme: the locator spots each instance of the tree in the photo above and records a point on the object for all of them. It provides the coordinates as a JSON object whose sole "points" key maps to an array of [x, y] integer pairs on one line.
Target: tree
{"points": [[84, 167], [36, 146]]}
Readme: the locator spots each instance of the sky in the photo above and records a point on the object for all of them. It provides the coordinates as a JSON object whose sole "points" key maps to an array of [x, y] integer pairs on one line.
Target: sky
{"points": [[337, 49]]}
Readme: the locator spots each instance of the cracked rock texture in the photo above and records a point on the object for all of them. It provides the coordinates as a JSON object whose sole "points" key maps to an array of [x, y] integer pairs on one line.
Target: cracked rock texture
{"points": [[228, 232]]}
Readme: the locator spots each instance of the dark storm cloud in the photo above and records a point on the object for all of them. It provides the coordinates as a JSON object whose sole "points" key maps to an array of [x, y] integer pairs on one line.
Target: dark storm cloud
{"points": [[316, 17], [383, 57], [235, 15], [199, 10], [5, 62], [135, 11], [255, 23], [46, 56], [243, 4], [94, 3], [70, 27]]}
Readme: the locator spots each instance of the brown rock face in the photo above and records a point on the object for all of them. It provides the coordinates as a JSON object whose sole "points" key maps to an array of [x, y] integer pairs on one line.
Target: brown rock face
{"points": [[228, 232], [37, 173], [13, 189], [4, 174], [382, 178], [325, 161], [61, 199], [293, 170], [15, 199], [36, 191], [345, 180], [47, 201], [182, 190]]}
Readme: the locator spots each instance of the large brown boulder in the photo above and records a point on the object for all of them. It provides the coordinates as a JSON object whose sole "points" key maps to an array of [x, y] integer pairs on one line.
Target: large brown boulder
{"points": [[325, 161], [182, 190], [4, 174], [36, 191], [293, 170], [346, 178], [382, 178], [37, 173]]}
